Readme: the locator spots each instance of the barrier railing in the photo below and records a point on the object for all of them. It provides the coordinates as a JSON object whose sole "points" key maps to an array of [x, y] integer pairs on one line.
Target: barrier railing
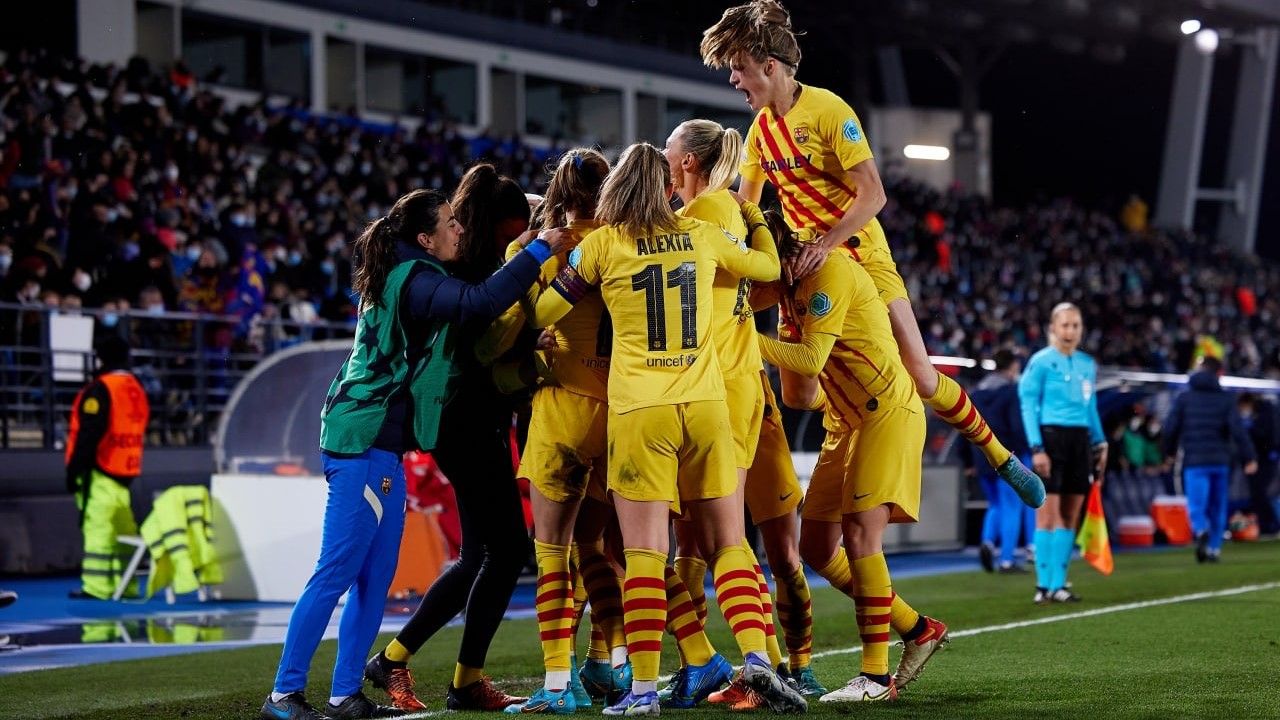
{"points": [[188, 363]]}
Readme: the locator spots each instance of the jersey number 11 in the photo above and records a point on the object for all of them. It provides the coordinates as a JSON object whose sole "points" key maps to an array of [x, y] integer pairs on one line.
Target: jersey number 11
{"points": [[650, 281]]}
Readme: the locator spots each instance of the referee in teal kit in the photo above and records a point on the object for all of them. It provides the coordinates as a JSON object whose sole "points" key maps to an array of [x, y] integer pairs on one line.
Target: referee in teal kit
{"points": [[1060, 415]]}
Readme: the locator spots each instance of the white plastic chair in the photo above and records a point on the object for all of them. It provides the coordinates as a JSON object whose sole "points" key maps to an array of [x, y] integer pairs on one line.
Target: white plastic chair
{"points": [[131, 570]]}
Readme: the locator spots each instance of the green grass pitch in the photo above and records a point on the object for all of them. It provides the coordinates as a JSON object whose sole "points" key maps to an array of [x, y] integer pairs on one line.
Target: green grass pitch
{"points": [[1212, 657]]}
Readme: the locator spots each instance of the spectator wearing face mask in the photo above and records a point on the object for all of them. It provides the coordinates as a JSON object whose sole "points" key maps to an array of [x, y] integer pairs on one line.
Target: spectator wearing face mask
{"points": [[110, 322], [238, 232], [184, 257]]}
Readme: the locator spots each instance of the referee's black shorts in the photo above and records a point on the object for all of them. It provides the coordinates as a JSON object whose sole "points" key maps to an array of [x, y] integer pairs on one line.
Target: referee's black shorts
{"points": [[1070, 459]]}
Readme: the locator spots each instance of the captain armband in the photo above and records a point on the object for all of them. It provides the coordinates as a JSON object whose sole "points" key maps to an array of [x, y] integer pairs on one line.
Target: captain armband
{"points": [[570, 285]]}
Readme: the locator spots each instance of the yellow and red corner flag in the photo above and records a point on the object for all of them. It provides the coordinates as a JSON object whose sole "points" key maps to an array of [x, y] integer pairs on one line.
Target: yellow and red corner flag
{"points": [[1093, 540]]}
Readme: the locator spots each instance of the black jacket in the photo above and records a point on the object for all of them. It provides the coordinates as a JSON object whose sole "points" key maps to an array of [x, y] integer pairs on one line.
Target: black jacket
{"points": [[1205, 422]]}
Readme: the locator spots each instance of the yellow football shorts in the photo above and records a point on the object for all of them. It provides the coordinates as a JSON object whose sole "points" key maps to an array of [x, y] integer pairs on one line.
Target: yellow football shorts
{"points": [[879, 264], [878, 463], [566, 440], [772, 489], [872, 252], [676, 452], [746, 412]]}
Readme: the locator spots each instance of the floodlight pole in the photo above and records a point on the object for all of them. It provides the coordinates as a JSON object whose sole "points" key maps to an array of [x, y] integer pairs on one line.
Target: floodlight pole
{"points": [[969, 69], [1184, 143]]}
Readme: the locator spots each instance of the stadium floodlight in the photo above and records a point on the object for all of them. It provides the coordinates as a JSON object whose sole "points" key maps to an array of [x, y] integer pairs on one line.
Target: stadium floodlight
{"points": [[926, 152], [1190, 27], [1207, 41]]}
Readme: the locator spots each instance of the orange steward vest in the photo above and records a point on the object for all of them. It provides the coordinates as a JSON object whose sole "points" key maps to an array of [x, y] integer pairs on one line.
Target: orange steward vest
{"points": [[120, 451]]}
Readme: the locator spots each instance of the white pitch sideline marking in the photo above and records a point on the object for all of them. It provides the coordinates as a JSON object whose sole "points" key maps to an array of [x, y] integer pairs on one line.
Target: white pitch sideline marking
{"points": [[1087, 613]]}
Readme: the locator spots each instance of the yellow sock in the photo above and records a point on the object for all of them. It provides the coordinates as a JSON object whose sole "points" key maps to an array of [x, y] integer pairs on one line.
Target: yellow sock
{"points": [[644, 609], [683, 623], [795, 615], [874, 599], [598, 648], [693, 573], [554, 603], [579, 596], [464, 676], [766, 610], [738, 594], [953, 405], [836, 572], [396, 652], [605, 591], [902, 616]]}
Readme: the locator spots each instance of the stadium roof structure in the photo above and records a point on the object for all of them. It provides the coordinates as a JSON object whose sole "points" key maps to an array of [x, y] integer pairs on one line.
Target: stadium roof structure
{"points": [[657, 33], [1101, 27]]}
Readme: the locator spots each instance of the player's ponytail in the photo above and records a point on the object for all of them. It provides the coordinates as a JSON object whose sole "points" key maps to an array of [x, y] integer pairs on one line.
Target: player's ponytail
{"points": [[761, 28], [574, 188], [483, 202], [375, 250], [718, 150], [635, 195], [789, 243]]}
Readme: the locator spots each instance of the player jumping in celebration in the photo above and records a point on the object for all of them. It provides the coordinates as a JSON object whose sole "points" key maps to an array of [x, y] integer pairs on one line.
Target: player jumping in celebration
{"points": [[868, 472], [809, 144], [667, 413]]}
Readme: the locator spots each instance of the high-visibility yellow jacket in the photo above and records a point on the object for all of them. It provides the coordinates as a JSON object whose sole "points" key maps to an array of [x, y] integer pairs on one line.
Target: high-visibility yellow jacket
{"points": [[179, 533]]}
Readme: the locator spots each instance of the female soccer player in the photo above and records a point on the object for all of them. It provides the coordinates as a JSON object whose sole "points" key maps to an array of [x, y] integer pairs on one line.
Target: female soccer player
{"points": [[386, 399], [808, 144], [667, 414], [868, 472], [565, 450], [474, 452], [1060, 415], [704, 159]]}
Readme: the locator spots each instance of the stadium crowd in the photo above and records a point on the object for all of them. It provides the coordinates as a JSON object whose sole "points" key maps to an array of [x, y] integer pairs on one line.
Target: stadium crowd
{"points": [[123, 188], [983, 277]]}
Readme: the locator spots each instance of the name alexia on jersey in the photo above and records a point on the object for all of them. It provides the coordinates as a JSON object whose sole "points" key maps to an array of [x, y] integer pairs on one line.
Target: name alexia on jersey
{"points": [[664, 243]]}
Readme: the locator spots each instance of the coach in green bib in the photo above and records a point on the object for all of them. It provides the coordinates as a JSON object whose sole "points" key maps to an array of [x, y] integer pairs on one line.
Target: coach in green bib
{"points": [[385, 400]]}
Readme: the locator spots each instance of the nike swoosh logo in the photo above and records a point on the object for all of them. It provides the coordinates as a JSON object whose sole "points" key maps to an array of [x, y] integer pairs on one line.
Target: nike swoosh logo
{"points": [[282, 714], [863, 495], [535, 708], [783, 498]]}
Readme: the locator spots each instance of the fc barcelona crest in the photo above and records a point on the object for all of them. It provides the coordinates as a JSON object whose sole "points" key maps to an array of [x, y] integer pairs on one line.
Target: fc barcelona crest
{"points": [[801, 134]]}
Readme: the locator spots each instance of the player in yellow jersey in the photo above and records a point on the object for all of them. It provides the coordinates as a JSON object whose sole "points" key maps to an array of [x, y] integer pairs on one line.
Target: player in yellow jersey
{"points": [[566, 444], [704, 159], [667, 414], [810, 146], [868, 472]]}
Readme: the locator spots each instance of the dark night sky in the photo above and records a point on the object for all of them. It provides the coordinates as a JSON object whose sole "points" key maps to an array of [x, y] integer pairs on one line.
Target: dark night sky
{"points": [[1069, 125]]}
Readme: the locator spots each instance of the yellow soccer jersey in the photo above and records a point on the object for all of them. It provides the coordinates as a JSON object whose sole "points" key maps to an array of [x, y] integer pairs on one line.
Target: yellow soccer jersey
{"points": [[584, 336], [731, 325], [864, 371], [805, 154], [658, 291]]}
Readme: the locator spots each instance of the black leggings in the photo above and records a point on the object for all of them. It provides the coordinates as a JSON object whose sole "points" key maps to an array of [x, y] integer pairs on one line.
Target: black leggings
{"points": [[474, 452]]}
